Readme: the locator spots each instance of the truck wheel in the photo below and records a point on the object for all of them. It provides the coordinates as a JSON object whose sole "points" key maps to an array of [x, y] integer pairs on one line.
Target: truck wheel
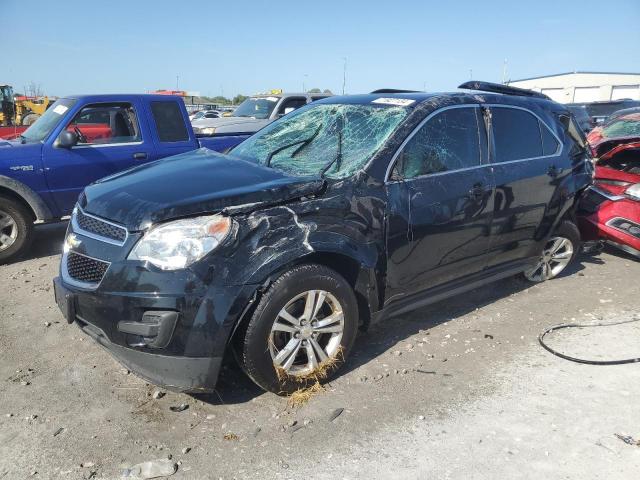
{"points": [[30, 119], [301, 330], [558, 253], [16, 229]]}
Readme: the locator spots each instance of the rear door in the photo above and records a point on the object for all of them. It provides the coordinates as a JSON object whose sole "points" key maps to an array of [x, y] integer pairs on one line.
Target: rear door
{"points": [[111, 140], [439, 203], [527, 166]]}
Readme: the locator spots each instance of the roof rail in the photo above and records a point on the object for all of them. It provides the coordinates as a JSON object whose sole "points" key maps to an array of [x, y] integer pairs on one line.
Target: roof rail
{"points": [[500, 88], [394, 90]]}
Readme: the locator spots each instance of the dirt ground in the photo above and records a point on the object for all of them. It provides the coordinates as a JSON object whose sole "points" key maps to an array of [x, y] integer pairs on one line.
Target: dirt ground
{"points": [[460, 389]]}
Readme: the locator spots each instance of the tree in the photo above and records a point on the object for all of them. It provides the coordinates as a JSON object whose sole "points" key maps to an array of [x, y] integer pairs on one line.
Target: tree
{"points": [[314, 90], [239, 99], [326, 90], [33, 90]]}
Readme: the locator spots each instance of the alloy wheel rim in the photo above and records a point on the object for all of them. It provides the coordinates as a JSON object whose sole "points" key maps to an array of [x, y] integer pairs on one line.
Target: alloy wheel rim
{"points": [[555, 257], [307, 332], [8, 230]]}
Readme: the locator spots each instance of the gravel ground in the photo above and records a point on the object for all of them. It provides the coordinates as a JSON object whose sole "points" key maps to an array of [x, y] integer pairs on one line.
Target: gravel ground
{"points": [[460, 389]]}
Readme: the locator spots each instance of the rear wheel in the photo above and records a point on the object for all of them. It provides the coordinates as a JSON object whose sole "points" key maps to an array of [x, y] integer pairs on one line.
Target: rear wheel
{"points": [[301, 331], [16, 229], [557, 255]]}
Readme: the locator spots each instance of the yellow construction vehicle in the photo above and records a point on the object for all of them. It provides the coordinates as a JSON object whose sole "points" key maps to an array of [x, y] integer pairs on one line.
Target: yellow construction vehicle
{"points": [[20, 110]]}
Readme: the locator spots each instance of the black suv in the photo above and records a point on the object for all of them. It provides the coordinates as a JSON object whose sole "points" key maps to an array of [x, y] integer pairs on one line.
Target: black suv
{"points": [[344, 212]]}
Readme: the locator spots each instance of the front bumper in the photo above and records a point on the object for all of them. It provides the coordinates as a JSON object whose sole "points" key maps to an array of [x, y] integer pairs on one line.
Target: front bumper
{"points": [[189, 358], [181, 374], [601, 215]]}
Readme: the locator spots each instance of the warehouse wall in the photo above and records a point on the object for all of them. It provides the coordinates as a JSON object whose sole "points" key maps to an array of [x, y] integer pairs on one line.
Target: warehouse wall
{"points": [[585, 87]]}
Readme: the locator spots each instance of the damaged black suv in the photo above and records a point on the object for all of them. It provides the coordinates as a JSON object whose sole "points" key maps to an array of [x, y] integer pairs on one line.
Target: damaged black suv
{"points": [[342, 213]]}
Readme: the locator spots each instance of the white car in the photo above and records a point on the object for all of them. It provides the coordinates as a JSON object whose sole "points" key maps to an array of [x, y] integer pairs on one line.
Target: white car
{"points": [[205, 114]]}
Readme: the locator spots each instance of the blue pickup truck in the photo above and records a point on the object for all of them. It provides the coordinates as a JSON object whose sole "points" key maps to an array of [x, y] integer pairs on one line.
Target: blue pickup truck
{"points": [[78, 140]]}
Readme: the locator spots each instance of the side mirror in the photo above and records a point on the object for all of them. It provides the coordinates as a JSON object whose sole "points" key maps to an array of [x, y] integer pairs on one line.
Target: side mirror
{"points": [[67, 139]]}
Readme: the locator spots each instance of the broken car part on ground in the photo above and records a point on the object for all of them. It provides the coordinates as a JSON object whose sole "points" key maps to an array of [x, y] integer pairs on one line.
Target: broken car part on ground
{"points": [[346, 211]]}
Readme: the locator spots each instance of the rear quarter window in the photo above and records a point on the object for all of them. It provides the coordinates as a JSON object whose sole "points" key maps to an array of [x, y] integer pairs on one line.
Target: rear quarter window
{"points": [[169, 122]]}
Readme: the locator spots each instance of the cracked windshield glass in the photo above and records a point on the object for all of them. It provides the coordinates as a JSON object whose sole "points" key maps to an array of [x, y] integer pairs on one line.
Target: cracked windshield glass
{"points": [[333, 139]]}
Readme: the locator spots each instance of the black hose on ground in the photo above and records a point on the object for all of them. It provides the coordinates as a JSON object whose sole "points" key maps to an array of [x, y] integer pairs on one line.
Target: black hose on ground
{"points": [[582, 360]]}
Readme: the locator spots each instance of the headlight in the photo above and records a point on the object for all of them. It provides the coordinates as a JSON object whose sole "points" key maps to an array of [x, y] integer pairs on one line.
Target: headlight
{"points": [[633, 191], [178, 244]]}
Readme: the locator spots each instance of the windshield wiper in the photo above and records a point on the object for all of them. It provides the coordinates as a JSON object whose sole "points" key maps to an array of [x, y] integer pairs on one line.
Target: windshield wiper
{"points": [[338, 158], [303, 143]]}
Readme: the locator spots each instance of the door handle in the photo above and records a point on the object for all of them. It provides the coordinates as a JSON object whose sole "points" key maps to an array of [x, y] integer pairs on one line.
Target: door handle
{"points": [[554, 171], [139, 156], [476, 192]]}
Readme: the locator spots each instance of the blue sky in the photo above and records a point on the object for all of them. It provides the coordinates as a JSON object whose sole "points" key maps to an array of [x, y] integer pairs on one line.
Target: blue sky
{"points": [[80, 46]]}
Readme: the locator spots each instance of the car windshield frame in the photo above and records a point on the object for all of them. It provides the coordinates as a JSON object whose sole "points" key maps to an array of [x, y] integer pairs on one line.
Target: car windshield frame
{"points": [[332, 139], [47, 123], [247, 109]]}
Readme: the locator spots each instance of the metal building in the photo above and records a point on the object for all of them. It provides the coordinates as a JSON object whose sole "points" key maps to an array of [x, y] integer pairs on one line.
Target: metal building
{"points": [[582, 87]]}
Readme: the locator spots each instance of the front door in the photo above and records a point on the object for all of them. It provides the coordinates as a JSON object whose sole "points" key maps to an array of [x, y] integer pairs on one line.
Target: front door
{"points": [[109, 141], [440, 198]]}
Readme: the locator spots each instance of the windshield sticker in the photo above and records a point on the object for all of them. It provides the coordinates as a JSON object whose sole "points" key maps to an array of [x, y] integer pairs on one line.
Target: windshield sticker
{"points": [[60, 109], [400, 102], [271, 99]]}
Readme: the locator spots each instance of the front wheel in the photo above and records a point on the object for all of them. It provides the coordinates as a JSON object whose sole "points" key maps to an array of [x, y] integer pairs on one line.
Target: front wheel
{"points": [[16, 229], [557, 255], [301, 331]]}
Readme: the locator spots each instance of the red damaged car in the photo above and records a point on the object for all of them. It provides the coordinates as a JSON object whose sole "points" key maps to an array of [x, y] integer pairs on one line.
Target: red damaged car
{"points": [[611, 209]]}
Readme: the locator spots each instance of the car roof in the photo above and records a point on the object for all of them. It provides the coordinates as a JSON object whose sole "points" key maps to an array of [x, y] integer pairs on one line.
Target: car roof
{"points": [[434, 98], [120, 97], [283, 95]]}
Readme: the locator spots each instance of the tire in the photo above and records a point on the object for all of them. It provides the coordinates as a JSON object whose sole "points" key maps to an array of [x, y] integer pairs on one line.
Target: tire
{"points": [[559, 252], [30, 119], [16, 229], [309, 295]]}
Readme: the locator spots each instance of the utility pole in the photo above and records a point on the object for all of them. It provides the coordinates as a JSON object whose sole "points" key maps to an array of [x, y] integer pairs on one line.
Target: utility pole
{"points": [[177, 79], [344, 74], [504, 72], [303, 83], [471, 74], [424, 86]]}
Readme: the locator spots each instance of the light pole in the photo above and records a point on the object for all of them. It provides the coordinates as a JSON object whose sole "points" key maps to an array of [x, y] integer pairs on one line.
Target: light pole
{"points": [[344, 74], [303, 83]]}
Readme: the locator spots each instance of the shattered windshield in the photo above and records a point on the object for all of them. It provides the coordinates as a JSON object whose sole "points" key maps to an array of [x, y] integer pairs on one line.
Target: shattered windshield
{"points": [[627, 126], [337, 139], [259, 108]]}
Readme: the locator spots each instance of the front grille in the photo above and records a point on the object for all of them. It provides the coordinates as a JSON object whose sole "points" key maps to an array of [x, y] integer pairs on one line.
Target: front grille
{"points": [[85, 269], [99, 227]]}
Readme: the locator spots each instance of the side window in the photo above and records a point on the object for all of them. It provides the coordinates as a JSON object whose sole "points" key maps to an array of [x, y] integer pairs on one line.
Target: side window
{"points": [[106, 123], [516, 134], [290, 104], [169, 122], [448, 141], [549, 143]]}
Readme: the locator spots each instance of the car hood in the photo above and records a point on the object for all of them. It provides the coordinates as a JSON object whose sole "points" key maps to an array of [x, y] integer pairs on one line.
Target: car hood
{"points": [[232, 124], [194, 183]]}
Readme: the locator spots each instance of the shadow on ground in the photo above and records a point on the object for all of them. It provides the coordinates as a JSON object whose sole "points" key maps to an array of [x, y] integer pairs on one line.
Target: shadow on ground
{"points": [[235, 387]]}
